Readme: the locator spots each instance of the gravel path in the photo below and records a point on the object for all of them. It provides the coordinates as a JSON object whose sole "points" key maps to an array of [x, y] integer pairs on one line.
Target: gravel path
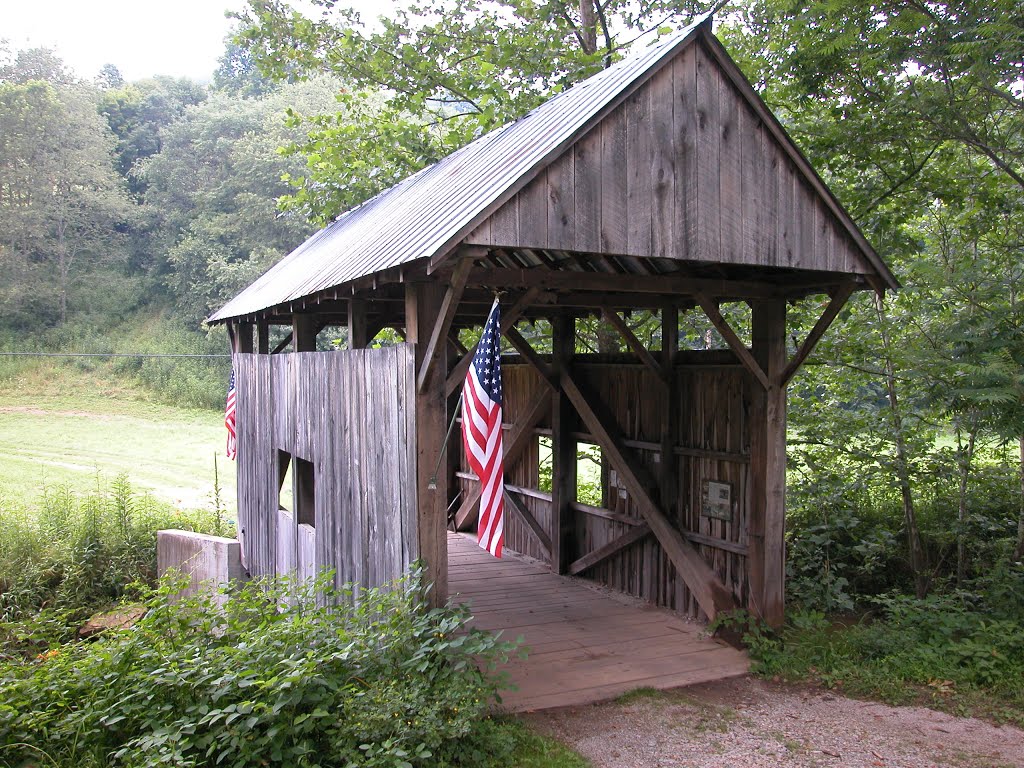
{"points": [[749, 723]]}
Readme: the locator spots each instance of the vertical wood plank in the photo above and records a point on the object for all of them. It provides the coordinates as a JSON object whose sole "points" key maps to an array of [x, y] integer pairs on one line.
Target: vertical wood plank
{"points": [[663, 164], [752, 236], [639, 193], [587, 173], [533, 213], [505, 224], [561, 203], [709, 235], [787, 224], [614, 209], [731, 201], [684, 116]]}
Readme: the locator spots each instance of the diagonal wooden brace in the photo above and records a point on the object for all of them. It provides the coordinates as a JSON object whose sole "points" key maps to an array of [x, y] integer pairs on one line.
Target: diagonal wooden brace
{"points": [[444, 320], [837, 301], [531, 522], [628, 539], [635, 344], [734, 342], [712, 595]]}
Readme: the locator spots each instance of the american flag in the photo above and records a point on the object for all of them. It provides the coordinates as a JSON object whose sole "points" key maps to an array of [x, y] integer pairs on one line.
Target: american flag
{"points": [[481, 432], [229, 418]]}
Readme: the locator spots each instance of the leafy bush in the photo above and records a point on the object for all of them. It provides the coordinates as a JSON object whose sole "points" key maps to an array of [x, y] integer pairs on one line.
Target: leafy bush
{"points": [[282, 675], [966, 648]]}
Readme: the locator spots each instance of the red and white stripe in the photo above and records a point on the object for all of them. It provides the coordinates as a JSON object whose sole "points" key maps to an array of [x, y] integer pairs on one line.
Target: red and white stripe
{"points": [[481, 432]]}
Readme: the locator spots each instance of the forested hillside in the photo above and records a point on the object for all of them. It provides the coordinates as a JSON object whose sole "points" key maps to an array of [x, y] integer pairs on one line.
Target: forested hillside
{"points": [[129, 209]]}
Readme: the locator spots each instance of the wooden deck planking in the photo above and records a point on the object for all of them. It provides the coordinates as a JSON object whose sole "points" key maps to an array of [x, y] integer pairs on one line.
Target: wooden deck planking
{"points": [[583, 645]]}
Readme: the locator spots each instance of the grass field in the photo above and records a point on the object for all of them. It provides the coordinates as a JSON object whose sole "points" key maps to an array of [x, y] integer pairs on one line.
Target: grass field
{"points": [[59, 426]]}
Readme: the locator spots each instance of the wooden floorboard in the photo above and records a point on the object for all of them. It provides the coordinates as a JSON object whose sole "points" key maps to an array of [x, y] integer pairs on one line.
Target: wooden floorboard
{"points": [[583, 644]]}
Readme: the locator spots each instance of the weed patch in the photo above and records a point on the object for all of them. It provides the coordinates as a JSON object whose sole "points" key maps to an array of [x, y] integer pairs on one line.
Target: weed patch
{"points": [[284, 675], [962, 653]]}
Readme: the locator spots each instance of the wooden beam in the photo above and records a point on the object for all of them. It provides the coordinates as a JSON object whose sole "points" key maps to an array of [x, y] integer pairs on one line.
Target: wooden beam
{"points": [[734, 341], [523, 347], [662, 285], [766, 518], [304, 332], [449, 304], [514, 446], [263, 337], [711, 594], [563, 449], [634, 343], [283, 343], [422, 306], [613, 547], [607, 514], [531, 522], [243, 338], [668, 480], [358, 336], [835, 306]]}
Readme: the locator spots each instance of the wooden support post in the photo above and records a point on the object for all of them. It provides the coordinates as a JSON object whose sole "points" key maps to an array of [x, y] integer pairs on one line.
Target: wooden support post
{"points": [[563, 449], [668, 480], [243, 338], [263, 337], [767, 516], [358, 337], [422, 306], [304, 333]]}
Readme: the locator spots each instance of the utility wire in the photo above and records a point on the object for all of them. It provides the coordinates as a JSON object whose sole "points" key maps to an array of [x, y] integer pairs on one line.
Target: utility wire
{"points": [[106, 354]]}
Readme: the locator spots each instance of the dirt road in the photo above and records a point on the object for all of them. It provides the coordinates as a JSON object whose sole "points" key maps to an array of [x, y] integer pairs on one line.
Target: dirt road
{"points": [[749, 723]]}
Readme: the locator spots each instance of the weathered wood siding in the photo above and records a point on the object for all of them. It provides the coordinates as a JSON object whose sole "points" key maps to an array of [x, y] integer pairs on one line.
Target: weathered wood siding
{"points": [[348, 413], [714, 444], [683, 169]]}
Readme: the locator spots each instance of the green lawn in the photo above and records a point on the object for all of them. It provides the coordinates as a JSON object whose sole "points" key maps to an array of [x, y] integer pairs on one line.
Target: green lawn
{"points": [[59, 426]]}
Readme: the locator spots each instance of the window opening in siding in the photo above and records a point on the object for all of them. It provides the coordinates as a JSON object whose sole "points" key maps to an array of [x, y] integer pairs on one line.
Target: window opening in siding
{"points": [[285, 498], [304, 492]]}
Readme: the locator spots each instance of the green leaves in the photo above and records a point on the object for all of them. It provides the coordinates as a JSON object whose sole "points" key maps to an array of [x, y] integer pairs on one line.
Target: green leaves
{"points": [[430, 78], [283, 674]]}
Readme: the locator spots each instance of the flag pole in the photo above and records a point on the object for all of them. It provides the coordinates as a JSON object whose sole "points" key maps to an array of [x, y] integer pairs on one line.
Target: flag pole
{"points": [[432, 485]]}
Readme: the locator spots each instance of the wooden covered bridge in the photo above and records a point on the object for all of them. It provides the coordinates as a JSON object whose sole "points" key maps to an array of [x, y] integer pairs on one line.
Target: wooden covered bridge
{"points": [[662, 185]]}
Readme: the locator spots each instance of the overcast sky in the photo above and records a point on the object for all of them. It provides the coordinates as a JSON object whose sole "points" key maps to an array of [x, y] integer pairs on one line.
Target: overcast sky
{"points": [[141, 38]]}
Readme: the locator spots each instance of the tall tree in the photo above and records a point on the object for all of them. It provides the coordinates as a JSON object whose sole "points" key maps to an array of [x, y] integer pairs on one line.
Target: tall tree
{"points": [[61, 203], [213, 190], [450, 69]]}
